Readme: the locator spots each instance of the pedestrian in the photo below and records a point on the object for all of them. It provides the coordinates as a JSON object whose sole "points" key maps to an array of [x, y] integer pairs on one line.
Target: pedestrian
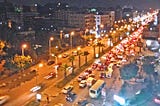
{"points": [[119, 78], [47, 99]]}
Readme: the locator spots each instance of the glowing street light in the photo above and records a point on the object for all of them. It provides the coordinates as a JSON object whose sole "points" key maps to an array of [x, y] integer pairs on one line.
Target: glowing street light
{"points": [[50, 40], [23, 47], [56, 57], [61, 34], [71, 39]]}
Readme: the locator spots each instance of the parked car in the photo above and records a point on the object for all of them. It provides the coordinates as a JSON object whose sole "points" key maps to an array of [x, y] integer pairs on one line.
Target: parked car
{"points": [[67, 89], [33, 71], [50, 62], [3, 85], [82, 84], [75, 53], [65, 55], [70, 69], [4, 99], [71, 96], [50, 75]]}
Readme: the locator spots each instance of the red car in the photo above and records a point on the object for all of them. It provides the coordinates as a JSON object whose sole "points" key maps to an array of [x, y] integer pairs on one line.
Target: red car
{"points": [[50, 75], [88, 71], [102, 75]]}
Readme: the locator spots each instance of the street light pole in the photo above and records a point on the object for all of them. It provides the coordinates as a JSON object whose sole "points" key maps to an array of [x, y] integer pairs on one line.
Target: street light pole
{"points": [[23, 47], [71, 39], [56, 58], [50, 40]]}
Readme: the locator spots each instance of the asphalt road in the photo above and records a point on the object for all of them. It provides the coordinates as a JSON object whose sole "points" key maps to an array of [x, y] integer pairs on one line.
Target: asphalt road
{"points": [[20, 93]]}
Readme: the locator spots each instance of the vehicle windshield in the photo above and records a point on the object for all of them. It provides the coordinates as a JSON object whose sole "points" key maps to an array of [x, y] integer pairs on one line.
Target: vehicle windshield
{"points": [[92, 91]]}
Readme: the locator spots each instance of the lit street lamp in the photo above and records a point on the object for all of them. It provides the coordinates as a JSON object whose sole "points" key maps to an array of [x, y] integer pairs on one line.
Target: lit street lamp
{"points": [[23, 47], [61, 34], [50, 40], [71, 39], [56, 57], [39, 66]]}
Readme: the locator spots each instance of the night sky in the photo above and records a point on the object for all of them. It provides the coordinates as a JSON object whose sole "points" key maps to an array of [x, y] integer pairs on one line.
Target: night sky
{"points": [[141, 4]]}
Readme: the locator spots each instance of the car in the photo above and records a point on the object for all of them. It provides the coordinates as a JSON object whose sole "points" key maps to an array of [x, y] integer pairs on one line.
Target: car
{"points": [[91, 75], [157, 99], [3, 85], [102, 75], [50, 75], [90, 81], [4, 99], [67, 89], [33, 71], [88, 71], [81, 77], [50, 62], [70, 69], [82, 102], [74, 53], [71, 96], [82, 84], [90, 104], [65, 55], [94, 66], [35, 88]]}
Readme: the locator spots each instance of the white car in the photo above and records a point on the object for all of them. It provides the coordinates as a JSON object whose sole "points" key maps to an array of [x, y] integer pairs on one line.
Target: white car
{"points": [[65, 55], [157, 99], [4, 99], [83, 84], [67, 89], [36, 88]]}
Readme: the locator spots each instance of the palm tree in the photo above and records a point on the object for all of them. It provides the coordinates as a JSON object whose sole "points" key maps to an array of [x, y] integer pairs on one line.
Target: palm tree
{"points": [[86, 53], [64, 68], [94, 50], [71, 59], [111, 40], [99, 47], [79, 53], [99, 44]]}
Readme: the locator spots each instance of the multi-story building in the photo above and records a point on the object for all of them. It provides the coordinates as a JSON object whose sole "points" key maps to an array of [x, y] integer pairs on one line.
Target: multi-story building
{"points": [[76, 19], [96, 22]]}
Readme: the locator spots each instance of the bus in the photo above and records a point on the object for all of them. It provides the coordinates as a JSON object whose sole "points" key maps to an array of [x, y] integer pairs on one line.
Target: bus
{"points": [[96, 89]]}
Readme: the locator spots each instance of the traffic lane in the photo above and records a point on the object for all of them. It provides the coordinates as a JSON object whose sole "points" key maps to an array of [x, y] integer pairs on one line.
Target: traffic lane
{"points": [[23, 93], [83, 92]]}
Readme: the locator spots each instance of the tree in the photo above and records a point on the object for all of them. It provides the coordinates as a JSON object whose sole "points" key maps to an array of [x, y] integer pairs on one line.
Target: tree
{"points": [[79, 53], [99, 44], [129, 71], [86, 53], [21, 62], [64, 68], [94, 50], [148, 67], [2, 46], [71, 59]]}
